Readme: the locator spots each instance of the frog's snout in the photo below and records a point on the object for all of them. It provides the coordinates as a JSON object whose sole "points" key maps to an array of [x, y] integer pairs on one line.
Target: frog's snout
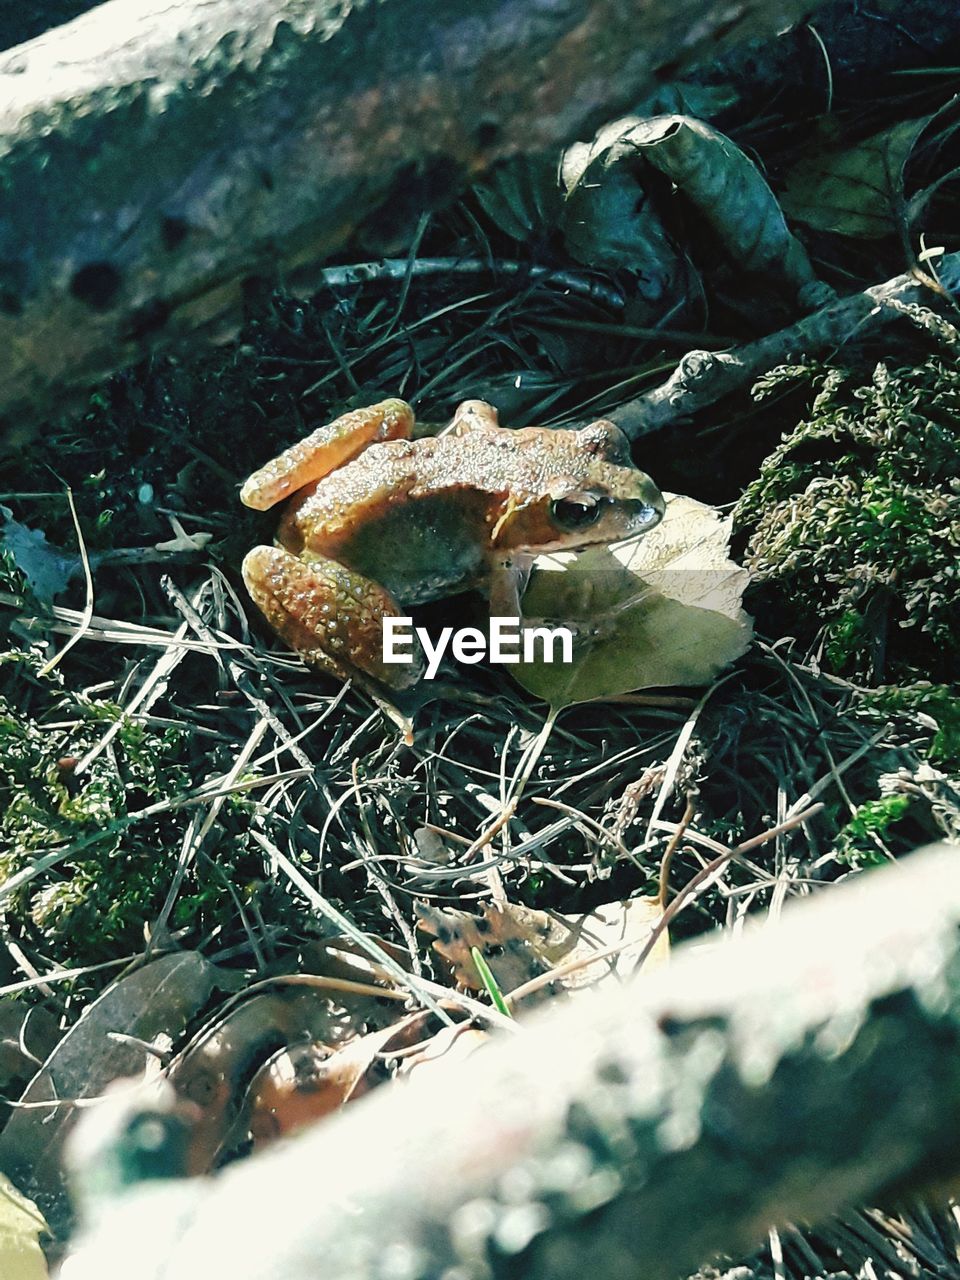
{"points": [[649, 505], [649, 516]]}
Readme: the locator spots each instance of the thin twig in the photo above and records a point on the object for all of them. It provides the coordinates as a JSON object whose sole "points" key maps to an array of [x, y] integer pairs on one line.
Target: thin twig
{"points": [[87, 614], [703, 377], [672, 910], [670, 850], [402, 269]]}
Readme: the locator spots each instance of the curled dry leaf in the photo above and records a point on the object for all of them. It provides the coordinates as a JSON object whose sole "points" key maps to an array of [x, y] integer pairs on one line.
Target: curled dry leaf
{"points": [[715, 176], [291, 1055], [218, 1068], [729, 191], [305, 1082], [608, 220], [520, 943], [215, 1069], [662, 610]]}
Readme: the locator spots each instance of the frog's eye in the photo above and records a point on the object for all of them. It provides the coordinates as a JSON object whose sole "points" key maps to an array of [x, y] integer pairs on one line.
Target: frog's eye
{"points": [[575, 510]]}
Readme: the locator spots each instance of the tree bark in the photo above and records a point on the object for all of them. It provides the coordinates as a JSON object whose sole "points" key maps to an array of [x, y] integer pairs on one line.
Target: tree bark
{"points": [[778, 1077], [156, 153]]}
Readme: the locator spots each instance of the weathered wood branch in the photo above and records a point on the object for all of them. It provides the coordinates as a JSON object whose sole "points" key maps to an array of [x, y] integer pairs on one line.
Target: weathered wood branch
{"points": [[702, 378], [156, 153], [781, 1076]]}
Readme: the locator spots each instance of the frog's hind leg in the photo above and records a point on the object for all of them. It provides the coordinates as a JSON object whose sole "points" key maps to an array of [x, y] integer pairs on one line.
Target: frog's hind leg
{"points": [[330, 615], [326, 449]]}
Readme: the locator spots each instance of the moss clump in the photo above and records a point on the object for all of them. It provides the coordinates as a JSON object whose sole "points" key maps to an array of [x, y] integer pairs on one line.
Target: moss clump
{"points": [[97, 851], [853, 524], [858, 843], [938, 703]]}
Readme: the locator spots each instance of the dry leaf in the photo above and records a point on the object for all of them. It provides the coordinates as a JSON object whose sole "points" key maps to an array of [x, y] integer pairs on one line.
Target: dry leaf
{"points": [[215, 1070], [854, 191], [609, 221], [731, 193], [519, 943], [710, 171], [291, 1030], [156, 1000], [21, 1225], [46, 568], [661, 610], [307, 1082]]}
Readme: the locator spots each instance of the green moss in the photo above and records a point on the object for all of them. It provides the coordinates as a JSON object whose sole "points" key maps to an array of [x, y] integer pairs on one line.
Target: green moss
{"points": [[938, 703], [853, 524], [860, 842], [98, 850]]}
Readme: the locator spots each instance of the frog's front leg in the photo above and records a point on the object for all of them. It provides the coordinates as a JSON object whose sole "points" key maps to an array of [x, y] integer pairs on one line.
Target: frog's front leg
{"points": [[507, 579], [330, 615], [324, 450], [506, 582]]}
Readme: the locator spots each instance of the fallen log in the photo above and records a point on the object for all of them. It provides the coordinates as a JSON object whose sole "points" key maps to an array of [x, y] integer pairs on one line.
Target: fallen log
{"points": [[154, 154], [799, 1069]]}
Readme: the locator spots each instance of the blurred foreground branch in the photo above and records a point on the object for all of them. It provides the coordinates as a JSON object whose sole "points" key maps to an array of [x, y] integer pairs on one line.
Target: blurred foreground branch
{"points": [[779, 1077]]}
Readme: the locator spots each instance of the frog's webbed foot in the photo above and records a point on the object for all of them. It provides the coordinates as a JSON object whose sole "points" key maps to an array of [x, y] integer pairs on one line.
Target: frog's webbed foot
{"points": [[326, 449], [330, 615]]}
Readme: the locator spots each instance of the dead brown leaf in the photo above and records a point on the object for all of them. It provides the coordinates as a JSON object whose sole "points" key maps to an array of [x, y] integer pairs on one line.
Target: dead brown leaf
{"points": [[306, 1082], [520, 943]]}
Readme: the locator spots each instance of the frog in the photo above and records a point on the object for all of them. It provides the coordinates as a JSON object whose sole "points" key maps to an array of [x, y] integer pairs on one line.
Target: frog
{"points": [[378, 521]]}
